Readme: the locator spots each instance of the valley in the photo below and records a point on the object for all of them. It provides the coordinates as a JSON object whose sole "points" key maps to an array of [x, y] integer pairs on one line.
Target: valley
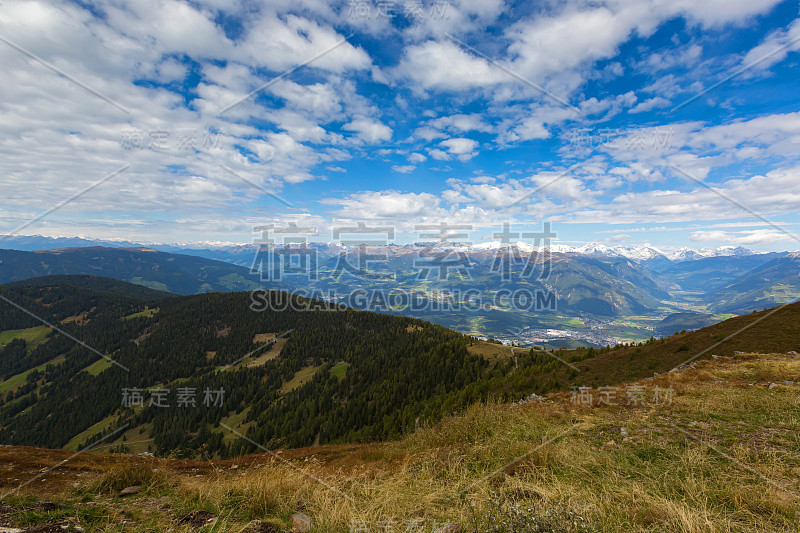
{"points": [[579, 297]]}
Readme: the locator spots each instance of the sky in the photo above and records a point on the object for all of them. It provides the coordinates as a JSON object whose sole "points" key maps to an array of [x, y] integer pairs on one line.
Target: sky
{"points": [[670, 122]]}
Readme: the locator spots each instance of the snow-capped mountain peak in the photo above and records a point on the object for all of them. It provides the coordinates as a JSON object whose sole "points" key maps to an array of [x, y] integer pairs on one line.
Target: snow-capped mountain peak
{"points": [[644, 252], [689, 254]]}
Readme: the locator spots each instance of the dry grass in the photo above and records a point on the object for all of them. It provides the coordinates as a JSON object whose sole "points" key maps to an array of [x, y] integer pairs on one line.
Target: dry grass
{"points": [[491, 351], [273, 352], [263, 337], [723, 457], [659, 479], [300, 378], [142, 475]]}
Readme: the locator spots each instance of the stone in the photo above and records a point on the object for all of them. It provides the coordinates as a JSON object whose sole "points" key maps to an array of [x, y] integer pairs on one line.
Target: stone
{"points": [[300, 523], [128, 491], [533, 398]]}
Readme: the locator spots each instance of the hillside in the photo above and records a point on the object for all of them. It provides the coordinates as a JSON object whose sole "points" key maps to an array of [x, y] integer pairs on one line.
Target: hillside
{"points": [[772, 330], [771, 284], [292, 375], [680, 321], [720, 453], [176, 273], [96, 283], [710, 273], [303, 373]]}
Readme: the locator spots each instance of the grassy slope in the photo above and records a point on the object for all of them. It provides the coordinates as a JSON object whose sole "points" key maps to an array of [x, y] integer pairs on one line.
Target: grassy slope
{"points": [[724, 456], [775, 330], [32, 336], [14, 382], [146, 313], [302, 376], [98, 366], [490, 350]]}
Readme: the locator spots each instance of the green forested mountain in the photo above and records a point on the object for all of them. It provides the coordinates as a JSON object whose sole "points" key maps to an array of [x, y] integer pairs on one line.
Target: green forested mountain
{"points": [[710, 273], [215, 375], [318, 374], [97, 283], [176, 273], [771, 284]]}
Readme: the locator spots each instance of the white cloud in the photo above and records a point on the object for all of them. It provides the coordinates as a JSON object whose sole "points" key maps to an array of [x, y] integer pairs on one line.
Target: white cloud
{"points": [[444, 65], [530, 128], [681, 57], [460, 123], [773, 49], [751, 238], [460, 147], [439, 155], [59, 138], [370, 130], [280, 43], [650, 104], [620, 237], [375, 205], [404, 169]]}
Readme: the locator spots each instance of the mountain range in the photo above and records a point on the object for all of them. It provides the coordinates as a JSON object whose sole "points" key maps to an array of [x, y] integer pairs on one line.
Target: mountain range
{"points": [[620, 292], [231, 252]]}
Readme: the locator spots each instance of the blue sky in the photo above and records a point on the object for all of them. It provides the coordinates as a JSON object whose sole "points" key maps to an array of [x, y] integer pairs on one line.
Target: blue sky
{"points": [[624, 122]]}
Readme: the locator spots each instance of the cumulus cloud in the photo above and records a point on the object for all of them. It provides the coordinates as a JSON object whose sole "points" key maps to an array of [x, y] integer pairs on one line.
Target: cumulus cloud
{"points": [[372, 205], [751, 238], [445, 65], [459, 147], [153, 78], [649, 104], [620, 237], [403, 169], [370, 130]]}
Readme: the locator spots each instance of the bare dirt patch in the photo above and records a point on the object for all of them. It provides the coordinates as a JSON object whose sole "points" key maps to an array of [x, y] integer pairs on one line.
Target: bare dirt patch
{"points": [[269, 353], [263, 337]]}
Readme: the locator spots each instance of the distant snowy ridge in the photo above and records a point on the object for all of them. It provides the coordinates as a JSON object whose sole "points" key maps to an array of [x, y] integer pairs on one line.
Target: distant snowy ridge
{"points": [[644, 252], [641, 253]]}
